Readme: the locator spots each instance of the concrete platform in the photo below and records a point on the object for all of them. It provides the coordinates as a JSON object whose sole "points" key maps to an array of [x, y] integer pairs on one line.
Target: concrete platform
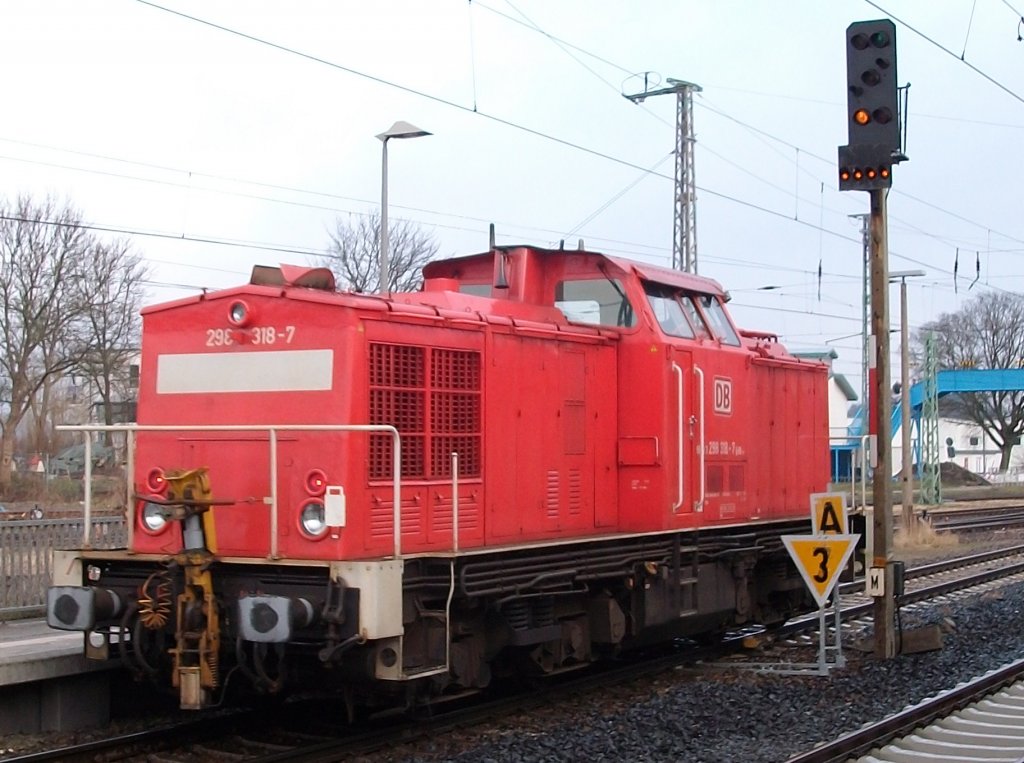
{"points": [[45, 682]]}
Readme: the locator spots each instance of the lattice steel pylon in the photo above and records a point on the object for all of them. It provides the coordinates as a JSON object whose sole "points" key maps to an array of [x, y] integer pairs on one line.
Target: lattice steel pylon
{"points": [[931, 482], [684, 221]]}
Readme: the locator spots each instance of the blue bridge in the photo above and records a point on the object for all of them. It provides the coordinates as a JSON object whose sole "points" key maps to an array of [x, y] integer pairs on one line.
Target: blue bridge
{"points": [[947, 382]]}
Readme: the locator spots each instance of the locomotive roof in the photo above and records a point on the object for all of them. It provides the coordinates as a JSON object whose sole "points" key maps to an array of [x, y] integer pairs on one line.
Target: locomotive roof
{"points": [[648, 272], [319, 280]]}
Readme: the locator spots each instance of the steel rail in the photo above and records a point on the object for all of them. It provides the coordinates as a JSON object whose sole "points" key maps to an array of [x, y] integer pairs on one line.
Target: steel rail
{"points": [[876, 734]]}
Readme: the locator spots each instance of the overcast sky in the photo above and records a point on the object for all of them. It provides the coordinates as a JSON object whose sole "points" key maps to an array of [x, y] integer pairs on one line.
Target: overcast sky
{"points": [[250, 127]]}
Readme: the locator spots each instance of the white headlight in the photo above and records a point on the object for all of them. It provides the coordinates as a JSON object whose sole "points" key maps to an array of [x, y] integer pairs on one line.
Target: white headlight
{"points": [[239, 313], [155, 516], [311, 518]]}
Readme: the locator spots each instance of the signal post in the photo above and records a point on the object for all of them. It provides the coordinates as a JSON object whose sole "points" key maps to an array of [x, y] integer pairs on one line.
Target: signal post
{"points": [[865, 164]]}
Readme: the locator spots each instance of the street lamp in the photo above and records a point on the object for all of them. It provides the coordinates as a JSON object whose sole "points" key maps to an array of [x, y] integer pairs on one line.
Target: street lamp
{"points": [[909, 519], [397, 130]]}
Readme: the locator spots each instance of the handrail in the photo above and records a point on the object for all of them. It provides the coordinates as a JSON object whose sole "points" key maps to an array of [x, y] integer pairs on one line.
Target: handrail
{"points": [[455, 502], [272, 430], [87, 498], [864, 470], [699, 505], [451, 564], [679, 433]]}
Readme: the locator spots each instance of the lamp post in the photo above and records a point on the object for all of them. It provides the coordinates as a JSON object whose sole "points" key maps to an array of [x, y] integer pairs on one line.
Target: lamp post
{"points": [[397, 130], [909, 518]]}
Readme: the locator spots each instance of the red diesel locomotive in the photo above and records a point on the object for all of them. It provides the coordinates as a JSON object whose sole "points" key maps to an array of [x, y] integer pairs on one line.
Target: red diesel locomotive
{"points": [[541, 458]]}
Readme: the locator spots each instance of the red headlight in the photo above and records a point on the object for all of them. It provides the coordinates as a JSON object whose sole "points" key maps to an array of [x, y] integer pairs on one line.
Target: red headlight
{"points": [[156, 481], [316, 482]]}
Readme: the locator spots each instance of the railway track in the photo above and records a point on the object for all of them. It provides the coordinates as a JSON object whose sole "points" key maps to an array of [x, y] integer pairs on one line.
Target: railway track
{"points": [[313, 730], [981, 719]]}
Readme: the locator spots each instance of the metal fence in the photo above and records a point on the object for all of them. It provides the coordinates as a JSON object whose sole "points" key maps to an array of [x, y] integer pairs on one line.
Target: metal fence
{"points": [[25, 558]]}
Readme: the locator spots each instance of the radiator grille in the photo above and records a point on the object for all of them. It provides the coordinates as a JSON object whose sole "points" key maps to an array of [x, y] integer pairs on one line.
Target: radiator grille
{"points": [[432, 396]]}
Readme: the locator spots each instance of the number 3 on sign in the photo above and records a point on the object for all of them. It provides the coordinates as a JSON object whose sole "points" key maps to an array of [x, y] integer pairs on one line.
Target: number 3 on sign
{"points": [[819, 559], [823, 574]]}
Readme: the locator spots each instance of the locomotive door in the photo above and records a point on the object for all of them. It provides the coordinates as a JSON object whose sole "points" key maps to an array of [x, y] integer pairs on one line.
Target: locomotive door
{"points": [[685, 437]]}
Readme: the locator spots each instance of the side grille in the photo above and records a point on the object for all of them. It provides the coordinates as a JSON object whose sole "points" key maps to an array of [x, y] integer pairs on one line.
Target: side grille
{"points": [[432, 396]]}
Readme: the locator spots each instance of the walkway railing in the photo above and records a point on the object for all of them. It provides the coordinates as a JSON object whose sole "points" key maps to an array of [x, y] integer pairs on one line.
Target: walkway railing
{"points": [[130, 430], [26, 558]]}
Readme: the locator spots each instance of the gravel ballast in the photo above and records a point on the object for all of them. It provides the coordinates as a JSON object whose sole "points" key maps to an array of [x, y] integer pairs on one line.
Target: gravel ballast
{"points": [[706, 714], [743, 716]]}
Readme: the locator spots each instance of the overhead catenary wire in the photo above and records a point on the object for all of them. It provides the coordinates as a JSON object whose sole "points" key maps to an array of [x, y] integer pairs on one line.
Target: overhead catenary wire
{"points": [[944, 49], [508, 122], [722, 195]]}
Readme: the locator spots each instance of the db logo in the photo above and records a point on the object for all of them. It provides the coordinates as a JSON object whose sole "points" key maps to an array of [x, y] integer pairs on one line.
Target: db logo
{"points": [[723, 395]]}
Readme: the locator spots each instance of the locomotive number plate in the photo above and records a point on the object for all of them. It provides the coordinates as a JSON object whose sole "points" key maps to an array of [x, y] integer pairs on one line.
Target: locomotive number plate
{"points": [[258, 335]]}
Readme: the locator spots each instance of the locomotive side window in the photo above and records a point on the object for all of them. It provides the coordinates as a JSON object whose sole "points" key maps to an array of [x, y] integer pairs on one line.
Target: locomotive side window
{"points": [[599, 302], [668, 311], [717, 318], [475, 289]]}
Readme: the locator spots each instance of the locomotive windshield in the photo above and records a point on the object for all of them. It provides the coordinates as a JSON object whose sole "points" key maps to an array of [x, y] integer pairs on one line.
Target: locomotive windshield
{"points": [[678, 314], [717, 318], [668, 311]]}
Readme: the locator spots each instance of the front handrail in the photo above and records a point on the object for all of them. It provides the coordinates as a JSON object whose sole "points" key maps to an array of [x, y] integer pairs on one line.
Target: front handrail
{"points": [[699, 504], [679, 434], [131, 430]]}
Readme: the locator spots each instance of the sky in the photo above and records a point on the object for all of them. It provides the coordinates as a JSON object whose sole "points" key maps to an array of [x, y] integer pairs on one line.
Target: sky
{"points": [[218, 135]]}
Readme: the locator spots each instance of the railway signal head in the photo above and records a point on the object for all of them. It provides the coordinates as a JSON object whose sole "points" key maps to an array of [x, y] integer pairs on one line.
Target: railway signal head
{"points": [[865, 168], [872, 92]]}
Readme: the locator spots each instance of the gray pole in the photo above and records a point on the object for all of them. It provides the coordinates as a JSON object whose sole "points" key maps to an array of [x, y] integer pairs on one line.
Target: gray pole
{"points": [[684, 218], [909, 518], [383, 287], [884, 609]]}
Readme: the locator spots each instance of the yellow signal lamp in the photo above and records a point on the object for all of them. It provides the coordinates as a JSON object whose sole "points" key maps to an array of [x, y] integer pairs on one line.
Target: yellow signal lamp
{"points": [[862, 116]]}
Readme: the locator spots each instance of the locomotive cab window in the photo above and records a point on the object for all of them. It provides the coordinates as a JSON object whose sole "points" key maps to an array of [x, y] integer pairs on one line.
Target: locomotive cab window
{"points": [[667, 310], [696, 319], [599, 302], [718, 319]]}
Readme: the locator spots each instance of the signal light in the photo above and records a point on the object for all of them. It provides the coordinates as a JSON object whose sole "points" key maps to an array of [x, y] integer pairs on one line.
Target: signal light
{"points": [[316, 482], [872, 92], [156, 480], [864, 168]]}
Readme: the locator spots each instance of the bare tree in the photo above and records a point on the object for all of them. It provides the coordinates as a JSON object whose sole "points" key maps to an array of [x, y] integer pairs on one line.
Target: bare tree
{"points": [[43, 249], [354, 253], [987, 332], [111, 301]]}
